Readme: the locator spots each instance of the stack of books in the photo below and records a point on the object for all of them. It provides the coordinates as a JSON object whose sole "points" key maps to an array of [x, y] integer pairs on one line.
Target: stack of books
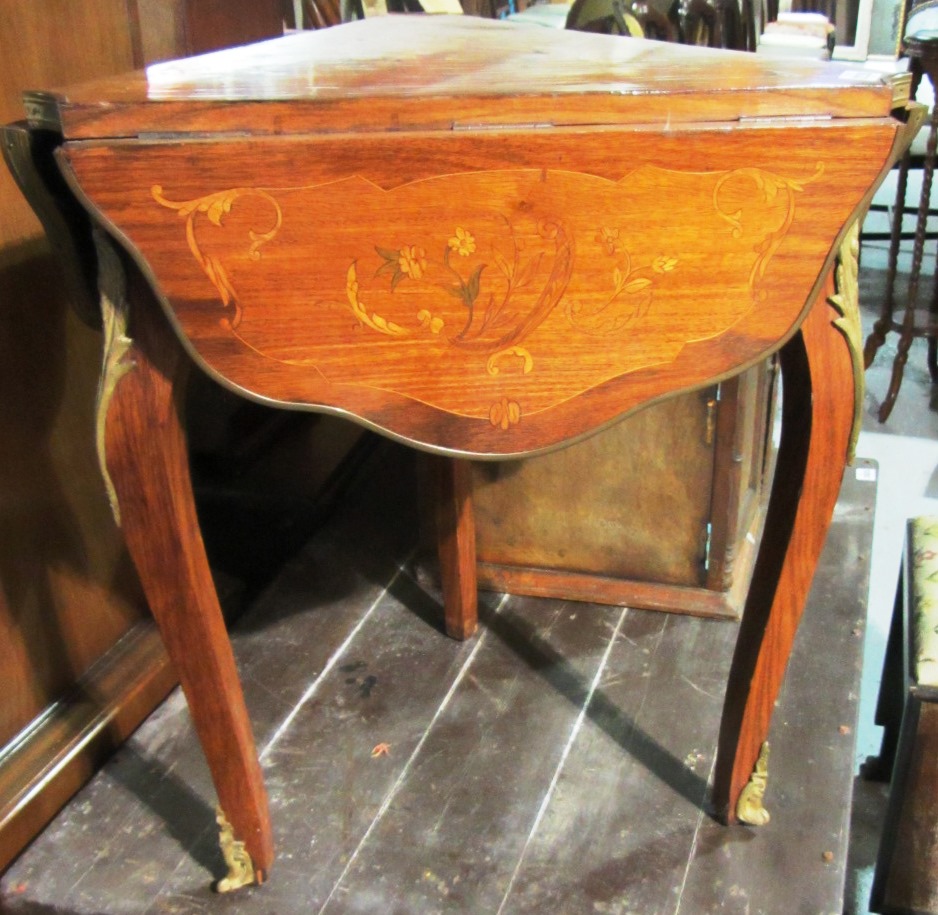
{"points": [[798, 35]]}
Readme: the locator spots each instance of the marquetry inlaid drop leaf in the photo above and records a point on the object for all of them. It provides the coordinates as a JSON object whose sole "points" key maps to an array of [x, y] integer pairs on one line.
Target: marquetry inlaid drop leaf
{"points": [[517, 288]]}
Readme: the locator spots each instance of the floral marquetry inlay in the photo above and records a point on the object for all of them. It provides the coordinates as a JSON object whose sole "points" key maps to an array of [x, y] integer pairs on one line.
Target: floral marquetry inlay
{"points": [[513, 290]]}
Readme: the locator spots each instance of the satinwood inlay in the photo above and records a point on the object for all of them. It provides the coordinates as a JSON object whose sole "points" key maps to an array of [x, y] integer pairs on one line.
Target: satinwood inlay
{"points": [[470, 272]]}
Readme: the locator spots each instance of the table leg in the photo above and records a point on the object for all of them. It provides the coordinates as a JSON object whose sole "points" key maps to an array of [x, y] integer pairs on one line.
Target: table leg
{"points": [[817, 415], [908, 330], [145, 464], [456, 541], [884, 322]]}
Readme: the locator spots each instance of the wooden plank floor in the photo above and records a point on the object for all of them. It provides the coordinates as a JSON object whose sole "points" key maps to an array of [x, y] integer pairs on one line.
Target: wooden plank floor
{"points": [[556, 763]]}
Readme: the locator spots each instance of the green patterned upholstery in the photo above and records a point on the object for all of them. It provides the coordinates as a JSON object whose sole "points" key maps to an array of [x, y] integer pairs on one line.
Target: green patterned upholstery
{"points": [[924, 596]]}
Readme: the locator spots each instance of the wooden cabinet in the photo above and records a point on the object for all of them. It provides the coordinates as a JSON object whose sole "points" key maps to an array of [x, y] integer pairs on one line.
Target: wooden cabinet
{"points": [[166, 29], [661, 511]]}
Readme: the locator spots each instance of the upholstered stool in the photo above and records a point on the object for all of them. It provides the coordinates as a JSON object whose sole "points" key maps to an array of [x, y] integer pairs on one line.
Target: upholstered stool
{"points": [[906, 878]]}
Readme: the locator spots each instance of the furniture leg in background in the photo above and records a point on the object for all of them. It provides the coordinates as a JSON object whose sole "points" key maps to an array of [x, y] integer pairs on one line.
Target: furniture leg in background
{"points": [[915, 322], [456, 537]]}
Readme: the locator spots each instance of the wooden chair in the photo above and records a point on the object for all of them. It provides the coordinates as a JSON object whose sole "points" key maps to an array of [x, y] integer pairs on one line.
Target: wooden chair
{"points": [[826, 8], [915, 321], [605, 17], [753, 16], [320, 14], [717, 24], [730, 26], [699, 24], [655, 25]]}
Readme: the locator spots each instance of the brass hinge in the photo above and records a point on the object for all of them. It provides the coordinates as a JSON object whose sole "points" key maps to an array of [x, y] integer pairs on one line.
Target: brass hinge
{"points": [[42, 111], [457, 125], [780, 120], [901, 84]]}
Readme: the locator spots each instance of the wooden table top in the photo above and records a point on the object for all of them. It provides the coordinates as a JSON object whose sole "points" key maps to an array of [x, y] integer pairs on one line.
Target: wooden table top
{"points": [[444, 72], [477, 236]]}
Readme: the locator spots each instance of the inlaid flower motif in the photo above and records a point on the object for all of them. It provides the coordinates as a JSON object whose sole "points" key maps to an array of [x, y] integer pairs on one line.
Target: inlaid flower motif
{"points": [[428, 320], [664, 264], [608, 238], [462, 242], [505, 413], [412, 261]]}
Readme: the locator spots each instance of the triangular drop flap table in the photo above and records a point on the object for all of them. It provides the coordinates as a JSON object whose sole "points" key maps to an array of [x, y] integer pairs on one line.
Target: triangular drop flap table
{"points": [[482, 239]]}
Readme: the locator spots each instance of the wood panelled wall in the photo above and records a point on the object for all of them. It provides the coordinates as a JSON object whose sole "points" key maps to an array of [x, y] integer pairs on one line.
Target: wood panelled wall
{"points": [[50, 44], [164, 29], [80, 663]]}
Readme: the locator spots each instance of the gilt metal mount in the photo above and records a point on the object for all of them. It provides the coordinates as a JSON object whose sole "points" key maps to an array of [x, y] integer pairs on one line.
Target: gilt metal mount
{"points": [[749, 808], [240, 867]]}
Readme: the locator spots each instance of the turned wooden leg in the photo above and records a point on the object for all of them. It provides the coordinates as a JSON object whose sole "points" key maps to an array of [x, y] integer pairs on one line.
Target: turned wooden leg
{"points": [[906, 336], [931, 335], [884, 322], [456, 541], [817, 415], [908, 330], [145, 464]]}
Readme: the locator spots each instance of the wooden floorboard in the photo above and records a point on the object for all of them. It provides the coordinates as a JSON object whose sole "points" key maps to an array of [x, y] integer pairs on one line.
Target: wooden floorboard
{"points": [[796, 863], [460, 821], [558, 762], [622, 823]]}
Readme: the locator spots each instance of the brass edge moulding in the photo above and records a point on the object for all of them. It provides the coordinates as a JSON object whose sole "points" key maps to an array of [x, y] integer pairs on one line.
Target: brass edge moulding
{"points": [[901, 84], [240, 867], [750, 808], [42, 111]]}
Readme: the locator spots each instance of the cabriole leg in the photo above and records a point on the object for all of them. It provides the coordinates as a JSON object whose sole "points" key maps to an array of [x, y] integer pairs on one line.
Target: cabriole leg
{"points": [[145, 465], [818, 371]]}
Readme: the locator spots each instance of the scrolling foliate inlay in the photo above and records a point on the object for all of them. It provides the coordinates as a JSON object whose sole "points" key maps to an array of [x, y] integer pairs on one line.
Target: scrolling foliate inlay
{"points": [[521, 288], [768, 187], [215, 207]]}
